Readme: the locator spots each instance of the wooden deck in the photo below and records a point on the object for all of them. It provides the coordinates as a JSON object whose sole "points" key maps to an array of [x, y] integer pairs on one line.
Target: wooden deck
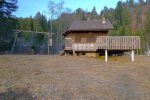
{"points": [[107, 43], [118, 42]]}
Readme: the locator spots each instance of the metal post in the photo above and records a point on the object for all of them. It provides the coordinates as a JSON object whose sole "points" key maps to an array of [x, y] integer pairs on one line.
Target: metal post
{"points": [[132, 55], [106, 56]]}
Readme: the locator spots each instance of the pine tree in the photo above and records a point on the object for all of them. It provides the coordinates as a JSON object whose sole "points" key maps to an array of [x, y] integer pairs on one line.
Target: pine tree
{"points": [[7, 22], [38, 21], [131, 7], [44, 23], [93, 13], [118, 13], [7, 7], [148, 4], [80, 14], [31, 23], [147, 24], [141, 2], [40, 24]]}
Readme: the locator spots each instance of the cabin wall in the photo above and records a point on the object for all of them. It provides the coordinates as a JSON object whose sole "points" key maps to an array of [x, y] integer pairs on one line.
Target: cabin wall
{"points": [[88, 37], [85, 37], [72, 36], [82, 37]]}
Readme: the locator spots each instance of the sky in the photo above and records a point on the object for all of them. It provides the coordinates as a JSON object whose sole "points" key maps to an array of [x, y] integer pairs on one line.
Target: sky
{"points": [[31, 7]]}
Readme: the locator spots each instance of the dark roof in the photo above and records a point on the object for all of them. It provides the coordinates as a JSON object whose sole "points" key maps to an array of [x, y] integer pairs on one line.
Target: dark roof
{"points": [[91, 25]]}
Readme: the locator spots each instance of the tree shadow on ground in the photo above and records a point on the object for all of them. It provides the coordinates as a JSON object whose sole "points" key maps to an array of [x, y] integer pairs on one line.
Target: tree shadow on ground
{"points": [[22, 94]]}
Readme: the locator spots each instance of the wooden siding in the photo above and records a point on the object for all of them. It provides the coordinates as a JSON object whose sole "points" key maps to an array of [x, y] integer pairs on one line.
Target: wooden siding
{"points": [[118, 42], [88, 37]]}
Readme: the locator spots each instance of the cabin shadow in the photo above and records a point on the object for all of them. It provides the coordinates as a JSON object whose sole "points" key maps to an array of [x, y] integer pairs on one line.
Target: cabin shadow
{"points": [[112, 52], [21, 94]]}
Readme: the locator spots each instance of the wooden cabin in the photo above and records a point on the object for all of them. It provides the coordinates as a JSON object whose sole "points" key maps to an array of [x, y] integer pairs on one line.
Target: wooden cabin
{"points": [[91, 37], [85, 32]]}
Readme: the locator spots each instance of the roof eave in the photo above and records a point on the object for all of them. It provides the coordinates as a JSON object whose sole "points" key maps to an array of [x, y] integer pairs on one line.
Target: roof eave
{"points": [[96, 30]]}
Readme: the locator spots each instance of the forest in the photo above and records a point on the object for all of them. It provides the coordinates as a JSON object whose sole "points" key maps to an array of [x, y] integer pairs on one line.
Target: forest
{"points": [[128, 18]]}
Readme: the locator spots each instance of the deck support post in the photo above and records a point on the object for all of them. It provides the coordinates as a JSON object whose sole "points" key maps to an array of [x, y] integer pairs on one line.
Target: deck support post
{"points": [[74, 53], [132, 55], [106, 55]]}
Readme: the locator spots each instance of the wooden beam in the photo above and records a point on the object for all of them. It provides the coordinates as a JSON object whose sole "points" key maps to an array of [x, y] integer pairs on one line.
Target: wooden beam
{"points": [[45, 33], [34, 32], [30, 32], [12, 49]]}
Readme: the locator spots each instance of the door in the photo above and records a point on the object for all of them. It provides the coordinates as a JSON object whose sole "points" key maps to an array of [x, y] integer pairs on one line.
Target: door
{"points": [[68, 43]]}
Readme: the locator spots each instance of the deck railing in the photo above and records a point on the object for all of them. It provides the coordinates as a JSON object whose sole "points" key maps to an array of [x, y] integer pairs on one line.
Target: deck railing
{"points": [[83, 47], [107, 43], [68, 44], [118, 42]]}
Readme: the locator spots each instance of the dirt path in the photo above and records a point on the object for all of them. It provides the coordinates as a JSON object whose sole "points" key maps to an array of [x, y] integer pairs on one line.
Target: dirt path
{"points": [[74, 78]]}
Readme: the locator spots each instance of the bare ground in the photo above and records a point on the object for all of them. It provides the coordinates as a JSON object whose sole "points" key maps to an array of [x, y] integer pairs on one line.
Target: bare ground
{"points": [[74, 78]]}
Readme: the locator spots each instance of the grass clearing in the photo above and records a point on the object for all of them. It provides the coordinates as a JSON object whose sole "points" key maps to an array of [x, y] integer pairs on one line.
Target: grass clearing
{"points": [[74, 78]]}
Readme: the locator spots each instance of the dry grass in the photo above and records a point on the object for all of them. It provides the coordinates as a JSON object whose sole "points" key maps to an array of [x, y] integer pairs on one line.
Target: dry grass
{"points": [[74, 78]]}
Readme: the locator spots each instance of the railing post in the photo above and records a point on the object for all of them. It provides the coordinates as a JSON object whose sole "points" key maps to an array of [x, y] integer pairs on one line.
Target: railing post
{"points": [[106, 56], [74, 53]]}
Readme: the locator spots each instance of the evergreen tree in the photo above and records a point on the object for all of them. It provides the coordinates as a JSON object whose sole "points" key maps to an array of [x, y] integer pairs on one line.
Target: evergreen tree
{"points": [[7, 22], [148, 2], [80, 14], [37, 22], [31, 21], [40, 24], [108, 14], [141, 2], [131, 7], [118, 13], [147, 24], [7, 7], [44, 23], [93, 13]]}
